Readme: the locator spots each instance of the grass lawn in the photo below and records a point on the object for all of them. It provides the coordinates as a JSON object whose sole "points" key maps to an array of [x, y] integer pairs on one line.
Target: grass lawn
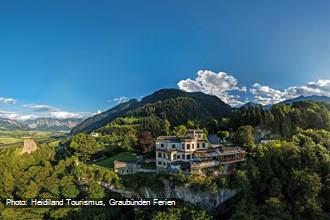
{"points": [[121, 156]]}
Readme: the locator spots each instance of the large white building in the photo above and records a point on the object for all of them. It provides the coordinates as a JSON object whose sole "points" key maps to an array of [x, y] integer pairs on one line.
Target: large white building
{"points": [[192, 153]]}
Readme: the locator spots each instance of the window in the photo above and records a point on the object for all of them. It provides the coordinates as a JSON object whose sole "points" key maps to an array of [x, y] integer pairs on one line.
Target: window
{"points": [[182, 156], [182, 146], [188, 157], [159, 154], [193, 146], [178, 156], [162, 145], [164, 164], [203, 145], [197, 145], [173, 146], [159, 162], [188, 146]]}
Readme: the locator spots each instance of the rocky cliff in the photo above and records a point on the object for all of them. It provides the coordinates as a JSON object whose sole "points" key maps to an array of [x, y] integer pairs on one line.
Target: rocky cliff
{"points": [[206, 200]]}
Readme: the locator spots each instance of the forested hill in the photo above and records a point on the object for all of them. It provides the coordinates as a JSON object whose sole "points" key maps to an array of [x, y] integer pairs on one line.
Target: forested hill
{"points": [[174, 105]]}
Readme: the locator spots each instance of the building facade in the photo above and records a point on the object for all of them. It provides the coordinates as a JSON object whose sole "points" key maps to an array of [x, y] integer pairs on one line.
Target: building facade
{"points": [[193, 153], [126, 167]]}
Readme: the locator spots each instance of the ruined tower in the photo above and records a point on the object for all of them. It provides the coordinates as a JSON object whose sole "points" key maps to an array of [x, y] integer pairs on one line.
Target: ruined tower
{"points": [[29, 145]]}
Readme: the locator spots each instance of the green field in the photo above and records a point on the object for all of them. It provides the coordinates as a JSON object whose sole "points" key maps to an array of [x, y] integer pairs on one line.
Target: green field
{"points": [[15, 136], [121, 156]]}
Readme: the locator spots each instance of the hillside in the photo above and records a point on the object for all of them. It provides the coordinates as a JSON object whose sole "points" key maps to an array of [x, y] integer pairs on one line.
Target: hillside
{"points": [[104, 118], [175, 105]]}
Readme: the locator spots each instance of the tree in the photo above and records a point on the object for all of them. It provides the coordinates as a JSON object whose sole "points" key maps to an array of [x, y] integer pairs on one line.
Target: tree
{"points": [[191, 124], [146, 142], [223, 135], [166, 127], [245, 136], [95, 190], [84, 146], [246, 209], [304, 190], [180, 131]]}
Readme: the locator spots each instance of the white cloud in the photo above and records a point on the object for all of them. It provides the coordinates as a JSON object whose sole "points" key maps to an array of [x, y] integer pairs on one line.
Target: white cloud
{"points": [[7, 114], [16, 116], [266, 95], [7, 100], [41, 108], [224, 86], [64, 115], [120, 99], [218, 84], [47, 111], [320, 87]]}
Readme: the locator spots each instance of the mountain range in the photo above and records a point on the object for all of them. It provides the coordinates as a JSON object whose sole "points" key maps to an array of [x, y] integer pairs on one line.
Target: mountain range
{"points": [[173, 104], [313, 98], [40, 124]]}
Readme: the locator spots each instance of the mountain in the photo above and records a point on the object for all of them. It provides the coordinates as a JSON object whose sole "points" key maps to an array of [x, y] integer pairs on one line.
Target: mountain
{"points": [[9, 124], [250, 105], [104, 118], [51, 124], [173, 104], [314, 98]]}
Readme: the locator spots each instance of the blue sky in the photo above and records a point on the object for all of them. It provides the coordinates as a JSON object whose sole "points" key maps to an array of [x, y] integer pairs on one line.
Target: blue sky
{"points": [[73, 58]]}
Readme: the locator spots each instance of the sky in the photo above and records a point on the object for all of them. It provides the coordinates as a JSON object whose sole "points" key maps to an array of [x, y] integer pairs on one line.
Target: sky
{"points": [[75, 58]]}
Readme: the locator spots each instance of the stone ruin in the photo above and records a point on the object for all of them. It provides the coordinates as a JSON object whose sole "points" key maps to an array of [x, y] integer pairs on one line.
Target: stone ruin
{"points": [[29, 145]]}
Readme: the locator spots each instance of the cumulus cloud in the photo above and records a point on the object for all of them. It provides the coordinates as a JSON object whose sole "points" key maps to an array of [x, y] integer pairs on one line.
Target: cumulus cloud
{"points": [[266, 95], [7, 100], [320, 87], [227, 88], [218, 84]]}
